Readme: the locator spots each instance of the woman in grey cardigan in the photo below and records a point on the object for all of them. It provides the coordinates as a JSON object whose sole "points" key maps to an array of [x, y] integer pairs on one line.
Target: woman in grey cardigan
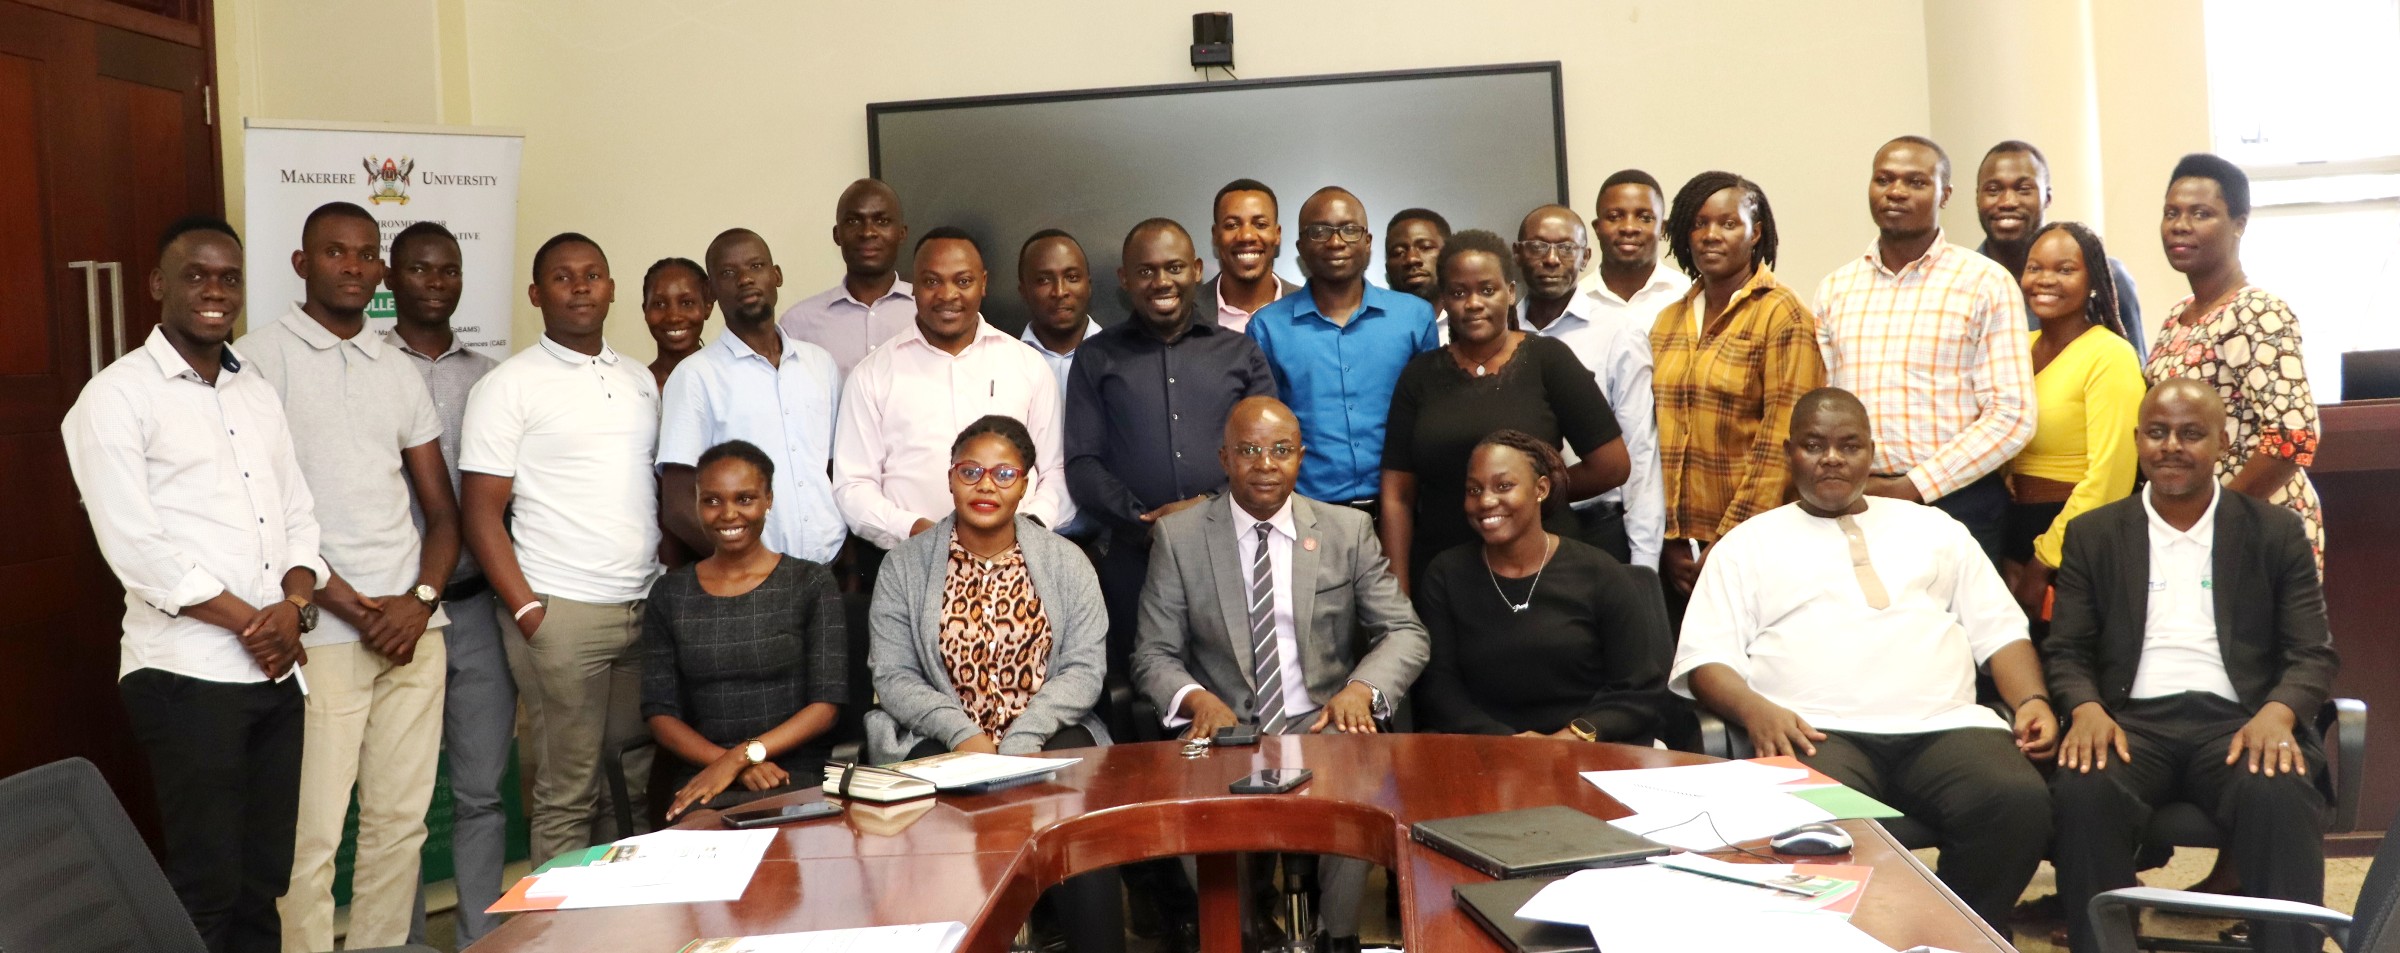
{"points": [[989, 632]]}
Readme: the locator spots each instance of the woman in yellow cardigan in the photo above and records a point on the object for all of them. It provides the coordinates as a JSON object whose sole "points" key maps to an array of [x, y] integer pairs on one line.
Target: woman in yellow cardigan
{"points": [[2088, 387]]}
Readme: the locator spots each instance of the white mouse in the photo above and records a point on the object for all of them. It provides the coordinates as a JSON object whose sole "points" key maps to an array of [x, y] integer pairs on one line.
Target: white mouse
{"points": [[1811, 839]]}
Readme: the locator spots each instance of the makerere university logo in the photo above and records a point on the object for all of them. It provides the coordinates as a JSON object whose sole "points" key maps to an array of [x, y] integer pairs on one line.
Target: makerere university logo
{"points": [[389, 181]]}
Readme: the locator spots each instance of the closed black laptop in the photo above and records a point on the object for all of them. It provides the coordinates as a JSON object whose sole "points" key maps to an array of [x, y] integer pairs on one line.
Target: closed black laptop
{"points": [[1536, 840], [1494, 906]]}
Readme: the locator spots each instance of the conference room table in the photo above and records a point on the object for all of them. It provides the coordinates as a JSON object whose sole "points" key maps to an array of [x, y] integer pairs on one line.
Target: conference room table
{"points": [[981, 859]]}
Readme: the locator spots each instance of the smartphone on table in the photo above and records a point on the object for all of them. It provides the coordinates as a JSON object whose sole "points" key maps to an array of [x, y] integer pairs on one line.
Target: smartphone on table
{"points": [[1272, 780]]}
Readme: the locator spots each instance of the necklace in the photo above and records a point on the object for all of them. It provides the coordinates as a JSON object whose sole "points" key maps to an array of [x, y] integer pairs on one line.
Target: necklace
{"points": [[1549, 547], [1480, 368]]}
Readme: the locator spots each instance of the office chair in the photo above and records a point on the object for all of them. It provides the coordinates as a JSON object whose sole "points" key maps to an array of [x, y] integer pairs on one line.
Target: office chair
{"points": [[78, 878], [2116, 913]]}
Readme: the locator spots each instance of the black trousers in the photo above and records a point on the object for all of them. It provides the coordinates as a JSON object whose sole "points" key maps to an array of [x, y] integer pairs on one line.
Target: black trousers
{"points": [[1983, 507], [1602, 525], [1090, 906], [226, 759], [2275, 826], [1123, 566], [1973, 787]]}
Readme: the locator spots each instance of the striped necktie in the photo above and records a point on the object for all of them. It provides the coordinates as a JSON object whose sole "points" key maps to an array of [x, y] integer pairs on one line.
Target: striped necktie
{"points": [[1266, 658]]}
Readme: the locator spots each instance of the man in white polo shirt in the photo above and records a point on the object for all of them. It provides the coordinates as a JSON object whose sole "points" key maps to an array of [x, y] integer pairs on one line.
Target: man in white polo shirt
{"points": [[904, 405], [368, 439], [557, 453]]}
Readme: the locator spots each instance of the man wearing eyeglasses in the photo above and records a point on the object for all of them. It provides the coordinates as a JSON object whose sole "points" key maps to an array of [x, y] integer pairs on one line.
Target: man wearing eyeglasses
{"points": [[1614, 344], [1337, 348], [1249, 610]]}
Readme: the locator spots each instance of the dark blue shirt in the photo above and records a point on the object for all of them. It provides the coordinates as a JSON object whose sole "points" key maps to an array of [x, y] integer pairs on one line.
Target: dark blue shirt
{"points": [[1144, 416], [1339, 378]]}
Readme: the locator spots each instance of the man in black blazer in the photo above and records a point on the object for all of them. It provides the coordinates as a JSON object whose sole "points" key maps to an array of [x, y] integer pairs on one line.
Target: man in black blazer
{"points": [[2188, 644]]}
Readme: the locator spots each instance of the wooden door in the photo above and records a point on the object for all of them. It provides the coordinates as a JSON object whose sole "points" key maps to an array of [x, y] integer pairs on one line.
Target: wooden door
{"points": [[104, 139]]}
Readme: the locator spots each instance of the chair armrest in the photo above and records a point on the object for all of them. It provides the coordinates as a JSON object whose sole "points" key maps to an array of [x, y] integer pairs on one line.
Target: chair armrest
{"points": [[2346, 720], [2113, 913], [1722, 739]]}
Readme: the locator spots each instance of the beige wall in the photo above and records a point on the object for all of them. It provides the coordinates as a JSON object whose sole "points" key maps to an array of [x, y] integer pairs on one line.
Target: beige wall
{"points": [[652, 125]]}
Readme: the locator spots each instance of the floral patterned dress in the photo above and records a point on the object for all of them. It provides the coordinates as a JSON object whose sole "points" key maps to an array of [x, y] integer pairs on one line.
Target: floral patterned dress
{"points": [[2248, 349]]}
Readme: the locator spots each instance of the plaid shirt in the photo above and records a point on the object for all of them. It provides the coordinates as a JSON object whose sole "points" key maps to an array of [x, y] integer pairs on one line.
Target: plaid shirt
{"points": [[1725, 402], [1937, 352]]}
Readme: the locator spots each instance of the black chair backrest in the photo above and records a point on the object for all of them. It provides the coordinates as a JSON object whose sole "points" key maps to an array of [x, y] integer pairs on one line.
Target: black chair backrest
{"points": [[851, 725], [1682, 729], [2371, 929], [76, 878]]}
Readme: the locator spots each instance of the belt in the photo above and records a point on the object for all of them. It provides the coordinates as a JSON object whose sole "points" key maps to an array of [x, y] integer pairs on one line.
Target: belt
{"points": [[467, 588]]}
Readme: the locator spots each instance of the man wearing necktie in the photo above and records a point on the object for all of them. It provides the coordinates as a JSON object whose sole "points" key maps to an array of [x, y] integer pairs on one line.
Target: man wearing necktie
{"points": [[1250, 607], [1845, 630]]}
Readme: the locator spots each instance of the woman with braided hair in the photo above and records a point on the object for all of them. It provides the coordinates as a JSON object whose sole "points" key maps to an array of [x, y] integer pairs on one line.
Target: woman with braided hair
{"points": [[675, 303], [1534, 632]]}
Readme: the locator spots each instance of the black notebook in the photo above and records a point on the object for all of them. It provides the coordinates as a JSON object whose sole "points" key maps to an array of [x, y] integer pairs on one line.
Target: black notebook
{"points": [[1494, 906], [1536, 840]]}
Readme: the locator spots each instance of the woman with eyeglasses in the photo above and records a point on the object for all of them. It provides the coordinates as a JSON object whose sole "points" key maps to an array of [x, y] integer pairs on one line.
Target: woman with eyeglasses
{"points": [[1489, 377], [990, 636]]}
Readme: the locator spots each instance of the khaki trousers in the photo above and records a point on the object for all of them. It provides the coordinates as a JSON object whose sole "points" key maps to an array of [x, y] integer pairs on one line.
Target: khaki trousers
{"points": [[377, 726], [580, 681]]}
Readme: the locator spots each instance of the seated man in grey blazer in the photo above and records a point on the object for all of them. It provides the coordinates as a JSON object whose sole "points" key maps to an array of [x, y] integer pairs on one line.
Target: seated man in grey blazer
{"points": [[2188, 646], [1250, 607]]}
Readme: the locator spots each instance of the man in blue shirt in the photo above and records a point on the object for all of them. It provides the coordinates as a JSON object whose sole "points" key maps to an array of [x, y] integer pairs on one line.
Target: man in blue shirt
{"points": [[1337, 346], [754, 383]]}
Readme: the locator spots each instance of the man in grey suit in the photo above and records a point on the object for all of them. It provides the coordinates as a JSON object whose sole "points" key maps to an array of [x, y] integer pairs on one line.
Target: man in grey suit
{"points": [[1249, 611], [2189, 647]]}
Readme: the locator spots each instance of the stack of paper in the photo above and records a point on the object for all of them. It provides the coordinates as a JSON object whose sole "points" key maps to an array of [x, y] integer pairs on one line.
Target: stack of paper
{"points": [[1715, 805], [962, 772], [671, 866], [1646, 907], [914, 938]]}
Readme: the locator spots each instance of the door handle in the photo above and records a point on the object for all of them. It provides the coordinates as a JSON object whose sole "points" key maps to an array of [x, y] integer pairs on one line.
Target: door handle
{"points": [[116, 300], [91, 305]]}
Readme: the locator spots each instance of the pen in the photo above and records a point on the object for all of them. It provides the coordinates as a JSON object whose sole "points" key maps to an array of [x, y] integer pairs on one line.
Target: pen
{"points": [[1695, 549]]}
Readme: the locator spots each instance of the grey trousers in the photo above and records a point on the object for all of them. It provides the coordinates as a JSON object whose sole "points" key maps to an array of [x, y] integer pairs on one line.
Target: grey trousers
{"points": [[479, 719], [581, 681]]}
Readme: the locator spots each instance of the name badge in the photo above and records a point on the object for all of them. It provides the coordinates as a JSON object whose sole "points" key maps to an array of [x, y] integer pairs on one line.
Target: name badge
{"points": [[2158, 585]]}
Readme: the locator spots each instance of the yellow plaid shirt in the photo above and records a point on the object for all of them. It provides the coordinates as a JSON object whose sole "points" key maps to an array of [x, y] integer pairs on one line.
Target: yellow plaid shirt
{"points": [[1725, 403], [1937, 352]]}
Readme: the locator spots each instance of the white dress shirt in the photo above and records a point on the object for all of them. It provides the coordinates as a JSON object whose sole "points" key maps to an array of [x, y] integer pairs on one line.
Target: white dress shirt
{"points": [[1296, 703], [578, 434], [729, 392], [352, 404], [192, 490], [1667, 285], [2179, 634], [846, 327], [1780, 604], [903, 407], [1060, 364], [1613, 342]]}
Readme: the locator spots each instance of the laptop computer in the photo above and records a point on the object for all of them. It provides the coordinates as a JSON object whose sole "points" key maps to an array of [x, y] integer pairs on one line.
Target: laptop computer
{"points": [[1537, 840], [1494, 906]]}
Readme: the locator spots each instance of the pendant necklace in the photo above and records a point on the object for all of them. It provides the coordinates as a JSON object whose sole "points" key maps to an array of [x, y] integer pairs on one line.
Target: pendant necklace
{"points": [[1549, 548]]}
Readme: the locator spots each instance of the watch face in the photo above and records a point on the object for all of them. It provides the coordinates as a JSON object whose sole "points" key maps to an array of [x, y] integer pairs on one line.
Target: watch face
{"points": [[427, 594], [308, 617]]}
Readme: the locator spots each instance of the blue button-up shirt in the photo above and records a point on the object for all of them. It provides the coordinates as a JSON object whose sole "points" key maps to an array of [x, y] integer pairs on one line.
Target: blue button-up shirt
{"points": [[1339, 378], [729, 392]]}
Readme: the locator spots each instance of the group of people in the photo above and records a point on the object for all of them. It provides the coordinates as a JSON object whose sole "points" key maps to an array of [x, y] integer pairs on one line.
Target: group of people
{"points": [[1252, 502]]}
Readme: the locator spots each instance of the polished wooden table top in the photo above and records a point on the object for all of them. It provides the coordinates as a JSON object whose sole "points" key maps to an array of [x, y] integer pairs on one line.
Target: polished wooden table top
{"points": [[948, 861]]}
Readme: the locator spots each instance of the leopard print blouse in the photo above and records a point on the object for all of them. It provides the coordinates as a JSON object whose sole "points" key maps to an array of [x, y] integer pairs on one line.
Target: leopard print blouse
{"points": [[995, 637]]}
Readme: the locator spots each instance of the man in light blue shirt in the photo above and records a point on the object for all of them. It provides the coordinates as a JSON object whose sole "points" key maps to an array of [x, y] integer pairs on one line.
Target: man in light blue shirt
{"points": [[754, 383], [1337, 346]]}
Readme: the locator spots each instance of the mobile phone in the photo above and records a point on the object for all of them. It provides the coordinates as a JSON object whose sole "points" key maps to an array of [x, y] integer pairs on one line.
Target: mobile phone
{"points": [[789, 813], [1272, 780], [1234, 736]]}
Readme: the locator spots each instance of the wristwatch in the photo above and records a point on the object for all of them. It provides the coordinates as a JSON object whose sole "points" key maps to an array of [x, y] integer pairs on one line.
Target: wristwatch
{"points": [[430, 596], [754, 751], [308, 613]]}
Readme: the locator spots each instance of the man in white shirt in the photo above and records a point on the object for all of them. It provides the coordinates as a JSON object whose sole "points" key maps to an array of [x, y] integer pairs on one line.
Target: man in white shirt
{"points": [[368, 439], [1055, 280], [1626, 222], [184, 461], [561, 509], [1846, 630], [758, 384], [871, 303], [904, 405], [2188, 645], [1612, 339]]}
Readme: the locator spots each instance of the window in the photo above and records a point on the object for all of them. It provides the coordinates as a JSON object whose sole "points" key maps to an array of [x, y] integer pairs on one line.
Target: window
{"points": [[2301, 95]]}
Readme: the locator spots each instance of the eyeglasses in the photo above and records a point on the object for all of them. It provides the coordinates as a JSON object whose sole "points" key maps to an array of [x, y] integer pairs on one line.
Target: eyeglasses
{"points": [[1280, 452], [1352, 232], [971, 473], [1540, 249]]}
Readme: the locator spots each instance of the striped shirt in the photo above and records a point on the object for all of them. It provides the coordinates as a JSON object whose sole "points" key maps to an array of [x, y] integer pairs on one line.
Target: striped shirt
{"points": [[1937, 352], [1725, 403]]}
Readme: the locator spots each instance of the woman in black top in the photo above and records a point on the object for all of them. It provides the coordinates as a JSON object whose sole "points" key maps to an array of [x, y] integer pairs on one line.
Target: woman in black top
{"points": [[744, 657], [1489, 377], [1537, 633]]}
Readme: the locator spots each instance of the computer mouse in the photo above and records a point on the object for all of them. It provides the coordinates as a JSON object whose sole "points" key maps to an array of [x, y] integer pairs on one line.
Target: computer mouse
{"points": [[1811, 840]]}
